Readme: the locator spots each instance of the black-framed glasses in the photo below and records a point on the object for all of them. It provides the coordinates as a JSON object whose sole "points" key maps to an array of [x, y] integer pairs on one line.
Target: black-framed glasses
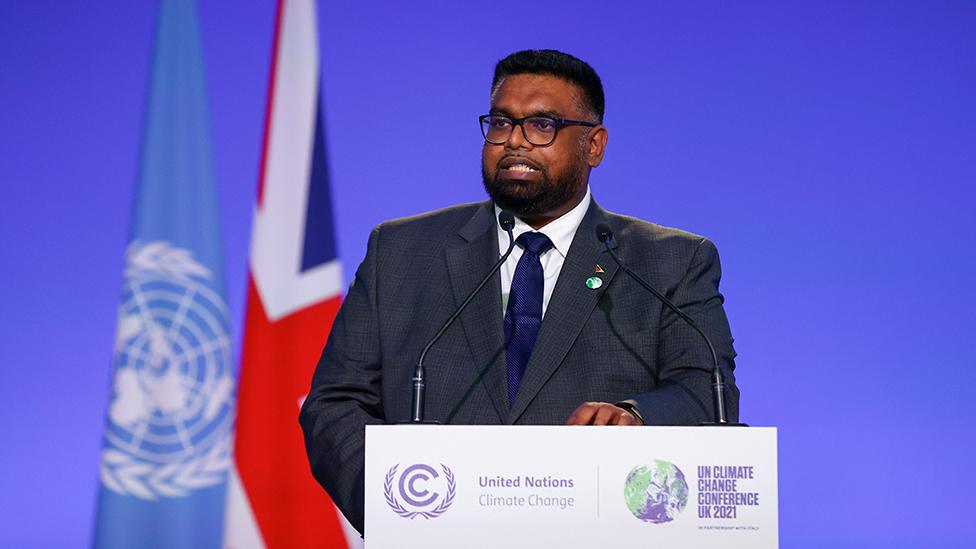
{"points": [[538, 130]]}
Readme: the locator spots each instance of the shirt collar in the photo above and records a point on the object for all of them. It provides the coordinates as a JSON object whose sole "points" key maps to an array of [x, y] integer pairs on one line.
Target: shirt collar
{"points": [[560, 230]]}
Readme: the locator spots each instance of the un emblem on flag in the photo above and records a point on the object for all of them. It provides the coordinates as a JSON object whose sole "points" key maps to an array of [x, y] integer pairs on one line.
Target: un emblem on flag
{"points": [[170, 416]]}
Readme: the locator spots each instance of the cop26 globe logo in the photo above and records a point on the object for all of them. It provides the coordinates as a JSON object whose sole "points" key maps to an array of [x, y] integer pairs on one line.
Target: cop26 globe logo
{"points": [[656, 493], [172, 405], [421, 489]]}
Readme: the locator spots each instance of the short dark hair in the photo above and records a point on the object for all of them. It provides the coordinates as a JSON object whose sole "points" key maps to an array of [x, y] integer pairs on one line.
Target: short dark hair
{"points": [[558, 64]]}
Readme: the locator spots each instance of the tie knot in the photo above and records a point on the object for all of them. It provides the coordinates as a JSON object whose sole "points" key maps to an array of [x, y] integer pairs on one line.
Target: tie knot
{"points": [[536, 243]]}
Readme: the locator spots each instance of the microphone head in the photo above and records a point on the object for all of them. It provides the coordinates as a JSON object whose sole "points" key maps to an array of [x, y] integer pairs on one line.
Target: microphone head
{"points": [[603, 233], [507, 220]]}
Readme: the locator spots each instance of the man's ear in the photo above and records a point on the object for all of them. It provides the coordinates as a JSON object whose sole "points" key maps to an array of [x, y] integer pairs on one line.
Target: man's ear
{"points": [[597, 145]]}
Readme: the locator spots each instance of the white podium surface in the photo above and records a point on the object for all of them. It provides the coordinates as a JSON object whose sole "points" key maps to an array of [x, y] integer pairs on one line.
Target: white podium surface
{"points": [[435, 486]]}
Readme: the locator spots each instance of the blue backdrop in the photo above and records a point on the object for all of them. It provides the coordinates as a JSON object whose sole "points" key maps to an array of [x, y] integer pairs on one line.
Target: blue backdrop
{"points": [[826, 147]]}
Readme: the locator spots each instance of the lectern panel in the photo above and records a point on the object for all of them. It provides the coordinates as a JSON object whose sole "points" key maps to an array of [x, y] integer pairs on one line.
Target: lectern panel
{"points": [[436, 486]]}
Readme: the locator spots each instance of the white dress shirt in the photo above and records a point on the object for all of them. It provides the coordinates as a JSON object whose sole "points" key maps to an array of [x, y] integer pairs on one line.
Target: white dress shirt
{"points": [[560, 231]]}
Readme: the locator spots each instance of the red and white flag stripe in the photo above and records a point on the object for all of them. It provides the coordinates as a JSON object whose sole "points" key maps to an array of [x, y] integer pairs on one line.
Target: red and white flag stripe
{"points": [[294, 292]]}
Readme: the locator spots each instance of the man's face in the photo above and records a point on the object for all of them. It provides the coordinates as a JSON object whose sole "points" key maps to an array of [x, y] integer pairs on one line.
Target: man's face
{"points": [[540, 182]]}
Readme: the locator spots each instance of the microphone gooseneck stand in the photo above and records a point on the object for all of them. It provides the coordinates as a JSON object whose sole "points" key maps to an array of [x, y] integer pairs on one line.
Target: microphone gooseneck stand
{"points": [[605, 235], [507, 222]]}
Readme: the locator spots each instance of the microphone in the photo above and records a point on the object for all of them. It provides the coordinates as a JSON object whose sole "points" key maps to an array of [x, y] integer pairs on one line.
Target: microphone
{"points": [[507, 222], [604, 234]]}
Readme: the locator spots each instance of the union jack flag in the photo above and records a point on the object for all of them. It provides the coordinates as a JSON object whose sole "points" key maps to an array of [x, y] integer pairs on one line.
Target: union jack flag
{"points": [[294, 292]]}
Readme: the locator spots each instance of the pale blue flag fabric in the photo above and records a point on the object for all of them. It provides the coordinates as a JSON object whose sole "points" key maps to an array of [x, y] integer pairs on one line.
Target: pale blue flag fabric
{"points": [[168, 428]]}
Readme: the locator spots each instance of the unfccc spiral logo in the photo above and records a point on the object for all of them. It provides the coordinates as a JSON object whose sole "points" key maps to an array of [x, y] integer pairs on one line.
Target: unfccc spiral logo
{"points": [[423, 490]]}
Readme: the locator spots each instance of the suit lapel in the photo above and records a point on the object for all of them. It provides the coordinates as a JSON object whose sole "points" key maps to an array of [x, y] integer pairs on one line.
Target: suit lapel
{"points": [[569, 308], [468, 260]]}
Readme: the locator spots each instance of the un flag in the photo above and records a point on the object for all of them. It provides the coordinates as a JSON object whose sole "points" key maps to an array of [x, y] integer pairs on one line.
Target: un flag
{"points": [[169, 419]]}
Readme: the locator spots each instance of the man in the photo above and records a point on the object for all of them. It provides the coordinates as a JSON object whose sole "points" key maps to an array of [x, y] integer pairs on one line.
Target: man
{"points": [[559, 336]]}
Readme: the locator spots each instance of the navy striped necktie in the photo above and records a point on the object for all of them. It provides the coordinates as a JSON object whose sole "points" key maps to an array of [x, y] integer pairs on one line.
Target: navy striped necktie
{"points": [[524, 315]]}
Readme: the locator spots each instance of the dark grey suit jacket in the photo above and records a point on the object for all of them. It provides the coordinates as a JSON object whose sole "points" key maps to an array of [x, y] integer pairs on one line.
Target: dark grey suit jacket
{"points": [[611, 344]]}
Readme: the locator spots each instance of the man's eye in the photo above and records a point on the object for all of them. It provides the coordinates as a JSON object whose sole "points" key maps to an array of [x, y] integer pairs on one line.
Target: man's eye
{"points": [[499, 122], [543, 124]]}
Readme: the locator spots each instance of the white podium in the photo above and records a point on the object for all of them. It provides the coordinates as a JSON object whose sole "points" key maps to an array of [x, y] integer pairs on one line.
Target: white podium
{"points": [[435, 486]]}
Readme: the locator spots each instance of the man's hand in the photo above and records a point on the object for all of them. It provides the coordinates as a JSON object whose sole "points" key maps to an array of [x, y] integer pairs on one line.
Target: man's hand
{"points": [[601, 413]]}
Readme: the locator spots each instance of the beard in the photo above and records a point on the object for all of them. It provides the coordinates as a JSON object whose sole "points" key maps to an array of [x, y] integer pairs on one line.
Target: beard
{"points": [[527, 199]]}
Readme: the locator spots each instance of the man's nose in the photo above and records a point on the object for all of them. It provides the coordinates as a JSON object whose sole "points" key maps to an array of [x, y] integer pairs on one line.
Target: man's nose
{"points": [[517, 140]]}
